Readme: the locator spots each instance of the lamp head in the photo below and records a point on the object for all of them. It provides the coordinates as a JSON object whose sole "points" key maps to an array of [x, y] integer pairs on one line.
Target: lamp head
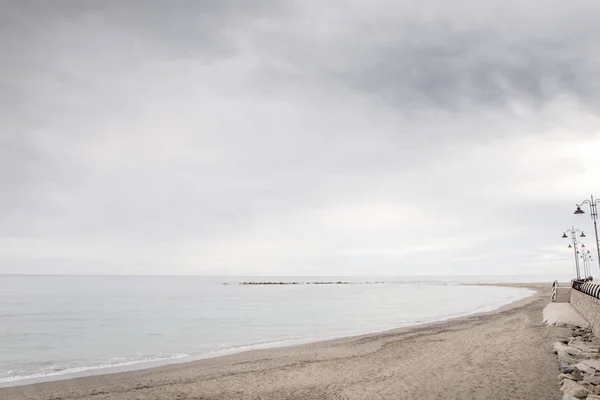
{"points": [[579, 211], [564, 236]]}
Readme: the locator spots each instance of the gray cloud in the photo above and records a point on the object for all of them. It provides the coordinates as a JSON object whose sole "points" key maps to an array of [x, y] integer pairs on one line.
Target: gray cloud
{"points": [[455, 60], [277, 137]]}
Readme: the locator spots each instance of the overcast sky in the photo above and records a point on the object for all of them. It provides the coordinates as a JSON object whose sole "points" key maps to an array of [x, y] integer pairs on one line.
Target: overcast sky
{"points": [[353, 137]]}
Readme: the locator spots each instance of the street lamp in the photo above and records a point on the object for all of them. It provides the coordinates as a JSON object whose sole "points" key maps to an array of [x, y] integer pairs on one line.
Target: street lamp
{"points": [[574, 245], [586, 258], [593, 203], [583, 265]]}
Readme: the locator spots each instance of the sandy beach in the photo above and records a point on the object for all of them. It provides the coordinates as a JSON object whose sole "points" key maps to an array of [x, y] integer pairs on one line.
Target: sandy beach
{"points": [[504, 354]]}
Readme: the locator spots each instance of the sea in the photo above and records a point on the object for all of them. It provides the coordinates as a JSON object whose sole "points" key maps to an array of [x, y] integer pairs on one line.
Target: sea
{"points": [[57, 327]]}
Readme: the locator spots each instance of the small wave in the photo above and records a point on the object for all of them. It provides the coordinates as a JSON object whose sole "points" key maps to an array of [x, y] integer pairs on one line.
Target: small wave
{"points": [[56, 370], [255, 346]]}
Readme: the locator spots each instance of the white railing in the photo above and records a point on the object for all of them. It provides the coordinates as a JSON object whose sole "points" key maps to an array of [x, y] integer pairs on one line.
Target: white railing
{"points": [[589, 288]]}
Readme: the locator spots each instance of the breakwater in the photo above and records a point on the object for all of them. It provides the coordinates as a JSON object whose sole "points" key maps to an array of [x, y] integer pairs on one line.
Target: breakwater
{"points": [[310, 283]]}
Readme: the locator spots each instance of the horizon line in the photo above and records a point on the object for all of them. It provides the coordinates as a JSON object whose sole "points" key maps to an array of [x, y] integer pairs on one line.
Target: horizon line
{"points": [[290, 276]]}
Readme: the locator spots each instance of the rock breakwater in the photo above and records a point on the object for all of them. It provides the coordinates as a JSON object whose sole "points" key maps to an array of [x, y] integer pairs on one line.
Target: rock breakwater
{"points": [[579, 364]]}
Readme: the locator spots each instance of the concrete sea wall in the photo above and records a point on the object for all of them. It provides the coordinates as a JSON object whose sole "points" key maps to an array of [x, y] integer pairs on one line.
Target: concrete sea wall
{"points": [[585, 299]]}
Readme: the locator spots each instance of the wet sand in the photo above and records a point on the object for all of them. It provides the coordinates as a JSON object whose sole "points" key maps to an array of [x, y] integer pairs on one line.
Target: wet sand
{"points": [[504, 354]]}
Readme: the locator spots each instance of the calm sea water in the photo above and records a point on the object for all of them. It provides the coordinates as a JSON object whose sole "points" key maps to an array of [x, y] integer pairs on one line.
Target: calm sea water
{"points": [[54, 326]]}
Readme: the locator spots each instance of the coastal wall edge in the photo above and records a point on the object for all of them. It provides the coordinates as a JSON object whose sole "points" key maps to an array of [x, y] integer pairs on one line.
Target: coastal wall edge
{"points": [[588, 307]]}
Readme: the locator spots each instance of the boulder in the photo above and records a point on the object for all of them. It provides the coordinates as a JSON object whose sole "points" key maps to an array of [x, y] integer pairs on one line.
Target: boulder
{"points": [[574, 389], [567, 397], [580, 332], [569, 355], [566, 376], [592, 363], [584, 346], [565, 367], [593, 397], [585, 368], [593, 379], [559, 346]]}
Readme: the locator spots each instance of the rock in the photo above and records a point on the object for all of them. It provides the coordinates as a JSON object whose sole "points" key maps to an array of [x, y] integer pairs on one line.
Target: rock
{"points": [[579, 332], [565, 368], [563, 381], [569, 355], [593, 397], [566, 376], [567, 397], [593, 379], [574, 389], [584, 345], [596, 390], [585, 368], [592, 363], [559, 346], [577, 375]]}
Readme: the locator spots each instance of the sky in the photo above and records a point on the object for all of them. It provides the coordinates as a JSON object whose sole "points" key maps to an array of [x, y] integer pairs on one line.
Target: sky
{"points": [[281, 137]]}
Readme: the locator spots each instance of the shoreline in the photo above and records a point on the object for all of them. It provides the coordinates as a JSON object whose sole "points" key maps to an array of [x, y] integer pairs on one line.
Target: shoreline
{"points": [[105, 381], [292, 343]]}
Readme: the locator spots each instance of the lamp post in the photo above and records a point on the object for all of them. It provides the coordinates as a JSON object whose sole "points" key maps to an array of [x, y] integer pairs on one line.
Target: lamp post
{"points": [[583, 264], [574, 245], [586, 258], [593, 203]]}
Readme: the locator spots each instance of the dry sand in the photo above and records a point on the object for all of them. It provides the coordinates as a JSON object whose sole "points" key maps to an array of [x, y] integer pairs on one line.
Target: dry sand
{"points": [[505, 354]]}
